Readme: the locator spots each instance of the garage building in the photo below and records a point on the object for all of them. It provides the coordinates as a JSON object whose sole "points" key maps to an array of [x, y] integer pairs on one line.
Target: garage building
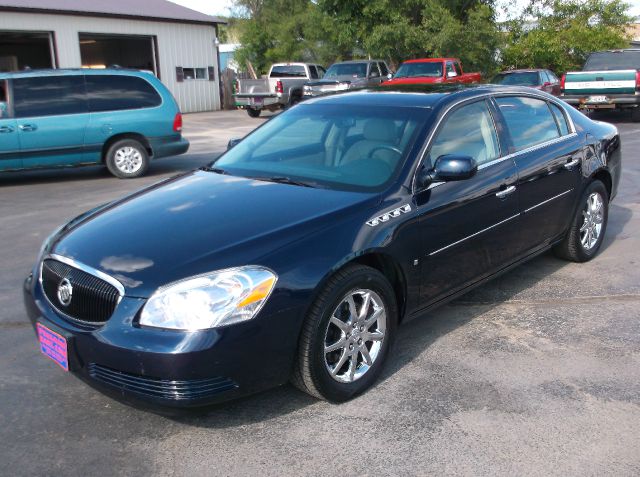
{"points": [[179, 45]]}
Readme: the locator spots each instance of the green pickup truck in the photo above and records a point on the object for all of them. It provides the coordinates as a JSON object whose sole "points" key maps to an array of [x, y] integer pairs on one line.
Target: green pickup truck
{"points": [[609, 80]]}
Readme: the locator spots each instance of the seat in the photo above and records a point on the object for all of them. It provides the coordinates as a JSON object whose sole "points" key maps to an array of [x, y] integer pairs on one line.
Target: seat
{"points": [[377, 133]]}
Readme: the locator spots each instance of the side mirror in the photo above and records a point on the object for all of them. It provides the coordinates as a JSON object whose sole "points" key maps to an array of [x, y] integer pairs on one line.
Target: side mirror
{"points": [[449, 167], [374, 74], [389, 76], [546, 84], [451, 74], [233, 142]]}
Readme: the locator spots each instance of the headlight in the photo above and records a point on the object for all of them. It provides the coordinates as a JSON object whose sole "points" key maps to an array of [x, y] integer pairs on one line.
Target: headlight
{"points": [[209, 301]]}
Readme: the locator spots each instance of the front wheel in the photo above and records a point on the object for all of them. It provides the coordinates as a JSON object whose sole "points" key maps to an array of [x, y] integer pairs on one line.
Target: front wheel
{"points": [[588, 226], [127, 158], [254, 113], [346, 336]]}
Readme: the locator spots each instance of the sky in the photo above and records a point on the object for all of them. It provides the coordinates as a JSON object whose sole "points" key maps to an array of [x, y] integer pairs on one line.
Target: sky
{"points": [[222, 7]]}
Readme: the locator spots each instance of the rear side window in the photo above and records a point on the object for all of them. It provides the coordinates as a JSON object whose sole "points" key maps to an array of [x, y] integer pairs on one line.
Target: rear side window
{"points": [[288, 71], [468, 131], [560, 119], [117, 92], [49, 96], [529, 121]]}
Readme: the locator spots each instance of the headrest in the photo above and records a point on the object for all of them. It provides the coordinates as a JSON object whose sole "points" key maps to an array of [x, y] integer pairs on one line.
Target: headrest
{"points": [[381, 130]]}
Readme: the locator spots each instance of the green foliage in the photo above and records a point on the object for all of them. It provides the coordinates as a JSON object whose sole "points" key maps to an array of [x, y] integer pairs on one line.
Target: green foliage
{"points": [[564, 33], [551, 33]]}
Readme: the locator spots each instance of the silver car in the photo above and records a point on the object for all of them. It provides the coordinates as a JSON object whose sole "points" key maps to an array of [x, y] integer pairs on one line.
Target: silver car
{"points": [[348, 75]]}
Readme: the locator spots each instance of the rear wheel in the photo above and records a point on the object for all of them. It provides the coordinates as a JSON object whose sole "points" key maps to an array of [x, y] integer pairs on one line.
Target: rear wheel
{"points": [[588, 227], [346, 336], [254, 113], [127, 159]]}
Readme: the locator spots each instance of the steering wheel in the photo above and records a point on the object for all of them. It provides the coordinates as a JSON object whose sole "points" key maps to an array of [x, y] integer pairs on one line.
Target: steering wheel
{"points": [[385, 147]]}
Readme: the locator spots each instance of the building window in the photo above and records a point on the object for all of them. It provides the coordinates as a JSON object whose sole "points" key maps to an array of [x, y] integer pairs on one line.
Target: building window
{"points": [[195, 74]]}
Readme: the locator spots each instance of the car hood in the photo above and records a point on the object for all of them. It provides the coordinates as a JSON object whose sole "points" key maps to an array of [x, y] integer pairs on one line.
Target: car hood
{"points": [[335, 80], [414, 80], [197, 223]]}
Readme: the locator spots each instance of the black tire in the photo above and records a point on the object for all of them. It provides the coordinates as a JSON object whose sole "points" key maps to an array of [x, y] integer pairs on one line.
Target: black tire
{"points": [[572, 248], [293, 100], [310, 371], [141, 153], [254, 113]]}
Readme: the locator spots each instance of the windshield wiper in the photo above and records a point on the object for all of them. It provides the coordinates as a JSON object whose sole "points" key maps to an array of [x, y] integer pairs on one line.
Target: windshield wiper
{"points": [[211, 168], [285, 180]]}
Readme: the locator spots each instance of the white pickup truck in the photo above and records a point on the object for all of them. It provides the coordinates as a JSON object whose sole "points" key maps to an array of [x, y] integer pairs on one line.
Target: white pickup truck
{"points": [[281, 88]]}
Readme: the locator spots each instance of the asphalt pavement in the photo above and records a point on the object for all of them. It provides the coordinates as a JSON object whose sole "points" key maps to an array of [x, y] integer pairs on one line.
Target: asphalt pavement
{"points": [[535, 373]]}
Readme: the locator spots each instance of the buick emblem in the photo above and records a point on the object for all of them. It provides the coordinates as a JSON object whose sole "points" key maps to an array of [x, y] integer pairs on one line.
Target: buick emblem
{"points": [[65, 292]]}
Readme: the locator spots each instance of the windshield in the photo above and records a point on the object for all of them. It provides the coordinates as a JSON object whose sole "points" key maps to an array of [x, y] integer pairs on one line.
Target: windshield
{"points": [[355, 70], [525, 78], [328, 146], [613, 60], [409, 70]]}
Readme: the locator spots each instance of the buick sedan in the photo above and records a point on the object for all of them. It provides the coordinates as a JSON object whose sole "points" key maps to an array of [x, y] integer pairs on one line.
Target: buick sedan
{"points": [[297, 253]]}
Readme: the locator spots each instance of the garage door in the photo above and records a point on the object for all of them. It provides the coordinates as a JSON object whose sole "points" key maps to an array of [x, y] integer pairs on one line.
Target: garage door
{"points": [[126, 51], [23, 49]]}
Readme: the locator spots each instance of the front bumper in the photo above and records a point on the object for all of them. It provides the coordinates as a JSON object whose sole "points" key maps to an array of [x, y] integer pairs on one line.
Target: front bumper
{"points": [[172, 368]]}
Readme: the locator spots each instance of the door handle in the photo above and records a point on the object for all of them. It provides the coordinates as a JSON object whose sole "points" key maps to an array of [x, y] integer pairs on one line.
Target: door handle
{"points": [[504, 193], [571, 164], [28, 127], [6, 129]]}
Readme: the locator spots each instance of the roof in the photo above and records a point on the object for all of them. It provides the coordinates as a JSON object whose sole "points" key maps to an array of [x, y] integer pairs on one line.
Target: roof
{"points": [[159, 10], [72, 72], [357, 61], [431, 60], [414, 96]]}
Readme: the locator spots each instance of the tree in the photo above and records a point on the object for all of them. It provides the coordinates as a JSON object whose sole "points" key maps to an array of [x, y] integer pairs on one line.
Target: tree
{"points": [[560, 34]]}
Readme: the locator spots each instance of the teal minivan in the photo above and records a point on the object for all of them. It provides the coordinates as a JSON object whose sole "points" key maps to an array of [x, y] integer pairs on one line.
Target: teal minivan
{"points": [[67, 118]]}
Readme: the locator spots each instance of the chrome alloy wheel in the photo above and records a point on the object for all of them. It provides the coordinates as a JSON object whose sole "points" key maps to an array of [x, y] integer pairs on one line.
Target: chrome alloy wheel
{"points": [[128, 159], [593, 216], [354, 335]]}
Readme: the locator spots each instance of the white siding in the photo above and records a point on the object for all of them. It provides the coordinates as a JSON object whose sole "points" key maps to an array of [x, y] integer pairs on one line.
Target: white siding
{"points": [[179, 44]]}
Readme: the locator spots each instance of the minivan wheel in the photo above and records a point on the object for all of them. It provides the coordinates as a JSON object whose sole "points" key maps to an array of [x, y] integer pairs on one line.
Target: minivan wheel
{"points": [[127, 158], [254, 113], [347, 334], [588, 227]]}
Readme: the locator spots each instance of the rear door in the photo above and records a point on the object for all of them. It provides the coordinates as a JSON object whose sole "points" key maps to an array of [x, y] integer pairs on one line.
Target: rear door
{"points": [[52, 116], [547, 153], [9, 143], [467, 226]]}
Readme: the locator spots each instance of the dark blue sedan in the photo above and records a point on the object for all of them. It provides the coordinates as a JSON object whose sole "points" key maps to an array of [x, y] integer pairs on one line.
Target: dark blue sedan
{"points": [[295, 255]]}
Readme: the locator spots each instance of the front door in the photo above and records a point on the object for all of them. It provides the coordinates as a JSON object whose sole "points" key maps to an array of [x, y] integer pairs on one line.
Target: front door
{"points": [[52, 116], [548, 157], [9, 143], [467, 226]]}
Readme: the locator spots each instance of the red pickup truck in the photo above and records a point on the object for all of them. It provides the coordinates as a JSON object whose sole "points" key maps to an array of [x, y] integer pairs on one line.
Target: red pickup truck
{"points": [[432, 71]]}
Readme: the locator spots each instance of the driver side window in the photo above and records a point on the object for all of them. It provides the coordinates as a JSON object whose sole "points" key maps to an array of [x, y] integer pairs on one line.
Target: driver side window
{"points": [[468, 131]]}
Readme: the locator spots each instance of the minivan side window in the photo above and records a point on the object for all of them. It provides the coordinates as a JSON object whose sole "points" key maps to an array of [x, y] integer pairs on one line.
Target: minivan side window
{"points": [[118, 92], [4, 100], [529, 121], [468, 131], [49, 96]]}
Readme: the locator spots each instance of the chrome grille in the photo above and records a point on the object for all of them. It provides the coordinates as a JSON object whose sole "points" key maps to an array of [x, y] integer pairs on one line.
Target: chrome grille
{"points": [[93, 300], [161, 388]]}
